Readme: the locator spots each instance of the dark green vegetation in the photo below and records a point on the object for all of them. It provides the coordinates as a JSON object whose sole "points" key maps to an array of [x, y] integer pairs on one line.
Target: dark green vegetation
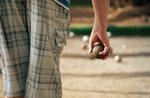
{"points": [[115, 3], [116, 31]]}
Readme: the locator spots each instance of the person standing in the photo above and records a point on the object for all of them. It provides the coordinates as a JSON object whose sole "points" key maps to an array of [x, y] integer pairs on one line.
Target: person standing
{"points": [[32, 36]]}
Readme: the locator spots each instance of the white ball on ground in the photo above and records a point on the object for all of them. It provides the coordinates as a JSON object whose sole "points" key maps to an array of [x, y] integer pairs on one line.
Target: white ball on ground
{"points": [[117, 58], [85, 38], [71, 34], [109, 33]]}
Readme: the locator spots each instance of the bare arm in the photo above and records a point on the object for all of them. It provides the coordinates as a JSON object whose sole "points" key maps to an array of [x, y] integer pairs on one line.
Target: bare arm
{"points": [[99, 31]]}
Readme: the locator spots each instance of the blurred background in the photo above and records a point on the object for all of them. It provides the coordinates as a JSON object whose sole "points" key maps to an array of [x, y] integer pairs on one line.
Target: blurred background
{"points": [[126, 73], [122, 13]]}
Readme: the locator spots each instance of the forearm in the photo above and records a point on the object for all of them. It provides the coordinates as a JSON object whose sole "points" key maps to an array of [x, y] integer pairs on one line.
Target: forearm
{"points": [[98, 34], [100, 10]]}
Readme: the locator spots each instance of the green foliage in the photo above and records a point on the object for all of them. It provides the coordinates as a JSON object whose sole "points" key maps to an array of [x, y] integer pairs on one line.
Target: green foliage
{"points": [[116, 3], [81, 3], [116, 31]]}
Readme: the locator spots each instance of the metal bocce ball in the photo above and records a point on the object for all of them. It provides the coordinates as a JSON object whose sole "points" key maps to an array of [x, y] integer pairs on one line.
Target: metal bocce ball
{"points": [[96, 50]]}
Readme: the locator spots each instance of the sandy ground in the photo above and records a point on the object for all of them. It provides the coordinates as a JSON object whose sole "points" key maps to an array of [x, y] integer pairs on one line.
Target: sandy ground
{"points": [[83, 77]]}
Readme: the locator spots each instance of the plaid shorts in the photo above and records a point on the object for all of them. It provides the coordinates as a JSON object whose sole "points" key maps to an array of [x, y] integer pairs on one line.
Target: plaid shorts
{"points": [[32, 36]]}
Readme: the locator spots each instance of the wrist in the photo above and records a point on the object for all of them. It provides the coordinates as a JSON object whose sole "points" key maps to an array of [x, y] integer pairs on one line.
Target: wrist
{"points": [[100, 27]]}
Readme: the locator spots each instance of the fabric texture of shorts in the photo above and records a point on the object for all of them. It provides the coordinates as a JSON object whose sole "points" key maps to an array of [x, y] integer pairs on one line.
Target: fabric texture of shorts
{"points": [[32, 36]]}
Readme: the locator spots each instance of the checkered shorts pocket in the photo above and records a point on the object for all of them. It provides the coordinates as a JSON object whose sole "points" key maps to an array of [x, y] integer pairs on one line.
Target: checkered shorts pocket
{"points": [[62, 27]]}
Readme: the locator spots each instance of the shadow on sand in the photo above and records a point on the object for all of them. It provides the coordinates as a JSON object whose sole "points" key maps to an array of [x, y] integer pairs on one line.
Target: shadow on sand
{"points": [[107, 92], [110, 75], [146, 54]]}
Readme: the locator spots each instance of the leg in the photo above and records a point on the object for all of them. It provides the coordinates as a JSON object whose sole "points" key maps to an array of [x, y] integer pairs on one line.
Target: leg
{"points": [[44, 80], [14, 44]]}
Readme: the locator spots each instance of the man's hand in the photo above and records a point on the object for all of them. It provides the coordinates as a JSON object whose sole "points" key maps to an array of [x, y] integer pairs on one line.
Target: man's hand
{"points": [[99, 31], [100, 37]]}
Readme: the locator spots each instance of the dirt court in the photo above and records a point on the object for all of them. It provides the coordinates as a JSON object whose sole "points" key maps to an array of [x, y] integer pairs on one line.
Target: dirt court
{"points": [[83, 77]]}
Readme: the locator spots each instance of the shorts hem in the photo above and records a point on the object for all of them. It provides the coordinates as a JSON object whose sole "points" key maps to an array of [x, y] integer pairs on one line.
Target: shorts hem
{"points": [[21, 93]]}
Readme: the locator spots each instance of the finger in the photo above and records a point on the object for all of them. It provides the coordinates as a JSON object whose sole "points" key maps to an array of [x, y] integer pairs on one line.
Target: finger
{"points": [[91, 44], [106, 49], [90, 51], [107, 55]]}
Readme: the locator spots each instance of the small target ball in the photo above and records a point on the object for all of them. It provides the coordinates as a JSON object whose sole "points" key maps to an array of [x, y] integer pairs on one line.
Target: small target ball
{"points": [[117, 58], [96, 50], [71, 34], [85, 38], [109, 34]]}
